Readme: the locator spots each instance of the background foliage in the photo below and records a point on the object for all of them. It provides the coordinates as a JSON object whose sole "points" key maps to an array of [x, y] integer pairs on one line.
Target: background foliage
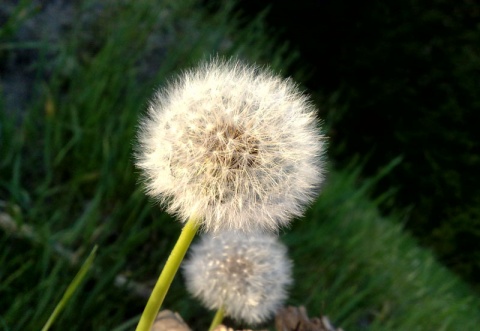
{"points": [[403, 77], [72, 90]]}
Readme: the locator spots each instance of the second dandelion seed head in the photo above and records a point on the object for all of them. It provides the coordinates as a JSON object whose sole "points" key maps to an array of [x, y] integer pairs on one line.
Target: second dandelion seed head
{"points": [[246, 275]]}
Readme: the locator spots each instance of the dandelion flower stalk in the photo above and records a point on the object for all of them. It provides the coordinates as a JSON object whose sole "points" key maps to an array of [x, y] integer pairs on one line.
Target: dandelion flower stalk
{"points": [[217, 319], [166, 277]]}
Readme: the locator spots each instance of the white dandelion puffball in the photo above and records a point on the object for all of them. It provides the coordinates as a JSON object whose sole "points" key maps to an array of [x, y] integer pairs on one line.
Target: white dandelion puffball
{"points": [[245, 274], [228, 141]]}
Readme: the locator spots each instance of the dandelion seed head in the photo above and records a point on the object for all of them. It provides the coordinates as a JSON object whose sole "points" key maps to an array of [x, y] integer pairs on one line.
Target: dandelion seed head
{"points": [[228, 141], [247, 275]]}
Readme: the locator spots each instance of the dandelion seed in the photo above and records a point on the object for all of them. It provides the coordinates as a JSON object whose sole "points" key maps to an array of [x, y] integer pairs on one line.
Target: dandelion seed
{"points": [[234, 145], [246, 275]]}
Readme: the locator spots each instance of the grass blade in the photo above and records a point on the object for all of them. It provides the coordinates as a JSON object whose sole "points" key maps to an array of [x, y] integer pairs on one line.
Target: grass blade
{"points": [[71, 288]]}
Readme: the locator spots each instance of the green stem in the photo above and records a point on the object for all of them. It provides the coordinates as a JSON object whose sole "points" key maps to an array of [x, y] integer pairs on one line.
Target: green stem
{"points": [[166, 277], [217, 319]]}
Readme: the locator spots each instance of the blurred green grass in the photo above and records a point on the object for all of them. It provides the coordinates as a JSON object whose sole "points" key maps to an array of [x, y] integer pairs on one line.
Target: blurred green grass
{"points": [[67, 183]]}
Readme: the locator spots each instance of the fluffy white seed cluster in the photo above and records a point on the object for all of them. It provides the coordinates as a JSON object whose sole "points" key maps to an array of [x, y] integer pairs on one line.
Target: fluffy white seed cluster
{"points": [[234, 145], [247, 275]]}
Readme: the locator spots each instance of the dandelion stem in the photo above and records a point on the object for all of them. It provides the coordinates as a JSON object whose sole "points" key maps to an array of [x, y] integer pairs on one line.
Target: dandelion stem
{"points": [[217, 319], [166, 277]]}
